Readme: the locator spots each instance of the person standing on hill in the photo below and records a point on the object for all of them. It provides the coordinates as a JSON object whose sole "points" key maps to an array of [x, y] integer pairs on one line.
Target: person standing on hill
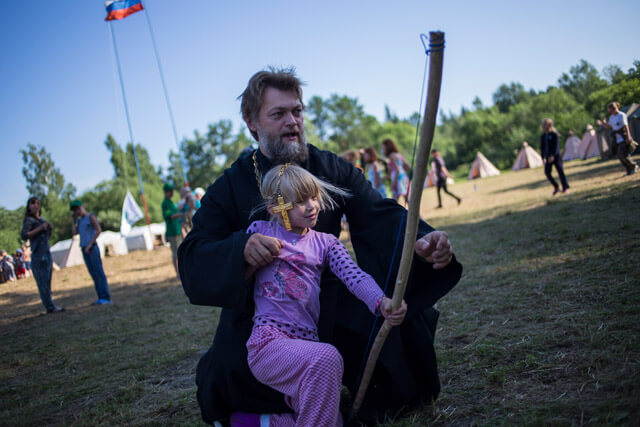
{"points": [[173, 229], [86, 224], [37, 230], [441, 176], [619, 126], [550, 149]]}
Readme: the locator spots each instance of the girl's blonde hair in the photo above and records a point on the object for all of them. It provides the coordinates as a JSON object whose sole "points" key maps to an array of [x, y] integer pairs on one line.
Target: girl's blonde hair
{"points": [[294, 184], [549, 122]]}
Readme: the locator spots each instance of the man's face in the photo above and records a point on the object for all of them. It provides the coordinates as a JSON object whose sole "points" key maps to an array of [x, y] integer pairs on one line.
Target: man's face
{"points": [[75, 210], [280, 127]]}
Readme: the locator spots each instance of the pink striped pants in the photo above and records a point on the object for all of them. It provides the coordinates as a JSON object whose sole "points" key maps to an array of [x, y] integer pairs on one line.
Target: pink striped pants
{"points": [[308, 373]]}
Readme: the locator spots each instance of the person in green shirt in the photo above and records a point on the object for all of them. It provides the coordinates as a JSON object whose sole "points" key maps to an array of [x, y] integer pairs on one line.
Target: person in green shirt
{"points": [[173, 231]]}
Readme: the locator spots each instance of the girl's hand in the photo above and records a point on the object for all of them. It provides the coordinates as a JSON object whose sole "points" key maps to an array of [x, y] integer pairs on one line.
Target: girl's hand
{"points": [[396, 317]]}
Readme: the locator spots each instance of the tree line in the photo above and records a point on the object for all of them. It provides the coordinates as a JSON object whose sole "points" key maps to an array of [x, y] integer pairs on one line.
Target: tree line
{"points": [[336, 123]]}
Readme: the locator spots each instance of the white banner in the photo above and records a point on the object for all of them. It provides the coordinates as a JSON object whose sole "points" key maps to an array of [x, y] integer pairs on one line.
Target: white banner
{"points": [[131, 213]]}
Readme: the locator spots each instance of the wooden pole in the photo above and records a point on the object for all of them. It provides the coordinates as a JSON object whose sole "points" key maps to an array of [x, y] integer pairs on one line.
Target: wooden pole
{"points": [[436, 43]]}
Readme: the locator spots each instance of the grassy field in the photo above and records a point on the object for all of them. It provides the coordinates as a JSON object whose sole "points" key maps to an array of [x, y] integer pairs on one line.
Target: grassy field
{"points": [[542, 329]]}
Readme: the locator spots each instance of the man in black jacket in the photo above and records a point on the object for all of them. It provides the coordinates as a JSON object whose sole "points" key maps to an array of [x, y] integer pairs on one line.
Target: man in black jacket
{"points": [[213, 257]]}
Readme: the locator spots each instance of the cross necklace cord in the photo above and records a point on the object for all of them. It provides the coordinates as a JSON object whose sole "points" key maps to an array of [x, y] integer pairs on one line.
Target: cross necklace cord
{"points": [[282, 207]]}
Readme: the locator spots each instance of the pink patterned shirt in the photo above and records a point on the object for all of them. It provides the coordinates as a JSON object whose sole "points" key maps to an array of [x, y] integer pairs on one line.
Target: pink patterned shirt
{"points": [[287, 291]]}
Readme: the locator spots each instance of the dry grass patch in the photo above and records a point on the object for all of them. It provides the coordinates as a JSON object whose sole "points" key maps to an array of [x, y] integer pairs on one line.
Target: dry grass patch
{"points": [[542, 329]]}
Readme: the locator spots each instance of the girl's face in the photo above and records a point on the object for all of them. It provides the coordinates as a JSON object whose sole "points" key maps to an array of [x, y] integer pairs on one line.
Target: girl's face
{"points": [[303, 215], [34, 206]]}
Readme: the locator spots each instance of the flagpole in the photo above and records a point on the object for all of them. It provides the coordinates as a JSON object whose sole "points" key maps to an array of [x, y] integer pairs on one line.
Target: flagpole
{"points": [[166, 97], [126, 110]]}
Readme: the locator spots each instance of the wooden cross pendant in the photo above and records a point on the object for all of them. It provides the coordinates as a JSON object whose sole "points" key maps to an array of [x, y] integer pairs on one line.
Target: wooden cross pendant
{"points": [[282, 208]]}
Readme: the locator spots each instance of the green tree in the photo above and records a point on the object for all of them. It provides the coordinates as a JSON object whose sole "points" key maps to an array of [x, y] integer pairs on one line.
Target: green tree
{"points": [[583, 79], [10, 227], [319, 116], [625, 92], [46, 182], [124, 163], [507, 95]]}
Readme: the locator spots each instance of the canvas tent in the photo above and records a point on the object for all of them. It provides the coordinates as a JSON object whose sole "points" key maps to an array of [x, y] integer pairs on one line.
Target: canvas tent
{"points": [[111, 243], [145, 237], [482, 168], [571, 148], [589, 146], [527, 158], [67, 253]]}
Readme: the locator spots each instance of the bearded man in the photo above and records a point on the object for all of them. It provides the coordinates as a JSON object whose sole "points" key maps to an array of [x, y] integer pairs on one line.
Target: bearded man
{"points": [[215, 255]]}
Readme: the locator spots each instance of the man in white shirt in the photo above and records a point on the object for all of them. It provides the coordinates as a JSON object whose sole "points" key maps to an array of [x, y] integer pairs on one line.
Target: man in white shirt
{"points": [[619, 126]]}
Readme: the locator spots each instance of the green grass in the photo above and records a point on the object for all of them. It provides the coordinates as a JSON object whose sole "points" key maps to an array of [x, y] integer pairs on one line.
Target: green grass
{"points": [[541, 330]]}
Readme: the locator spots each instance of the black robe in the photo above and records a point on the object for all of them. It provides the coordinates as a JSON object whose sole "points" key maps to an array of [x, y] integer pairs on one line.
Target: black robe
{"points": [[211, 266]]}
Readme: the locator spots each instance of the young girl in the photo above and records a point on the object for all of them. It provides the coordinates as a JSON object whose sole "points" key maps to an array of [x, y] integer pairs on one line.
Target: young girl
{"points": [[374, 171], [398, 168], [283, 349]]}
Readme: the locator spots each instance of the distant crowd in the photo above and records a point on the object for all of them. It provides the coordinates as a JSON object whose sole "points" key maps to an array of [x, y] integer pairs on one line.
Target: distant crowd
{"points": [[15, 266]]}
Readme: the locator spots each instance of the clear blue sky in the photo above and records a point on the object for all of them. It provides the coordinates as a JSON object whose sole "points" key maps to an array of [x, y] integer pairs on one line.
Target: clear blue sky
{"points": [[60, 85]]}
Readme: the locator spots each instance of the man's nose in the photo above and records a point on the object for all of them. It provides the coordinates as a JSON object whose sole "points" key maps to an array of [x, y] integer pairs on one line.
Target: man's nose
{"points": [[291, 119]]}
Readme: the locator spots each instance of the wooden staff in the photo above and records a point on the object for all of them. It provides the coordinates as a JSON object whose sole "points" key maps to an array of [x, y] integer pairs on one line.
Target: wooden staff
{"points": [[436, 43]]}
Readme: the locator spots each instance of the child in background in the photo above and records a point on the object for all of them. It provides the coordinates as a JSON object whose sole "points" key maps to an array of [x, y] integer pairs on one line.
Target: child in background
{"points": [[21, 271], [283, 349]]}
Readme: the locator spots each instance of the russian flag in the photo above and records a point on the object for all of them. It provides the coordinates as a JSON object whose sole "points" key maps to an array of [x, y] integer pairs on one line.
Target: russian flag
{"points": [[120, 9]]}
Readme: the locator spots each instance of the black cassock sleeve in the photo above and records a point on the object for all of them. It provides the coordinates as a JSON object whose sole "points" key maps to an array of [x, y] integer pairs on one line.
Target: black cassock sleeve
{"points": [[211, 259]]}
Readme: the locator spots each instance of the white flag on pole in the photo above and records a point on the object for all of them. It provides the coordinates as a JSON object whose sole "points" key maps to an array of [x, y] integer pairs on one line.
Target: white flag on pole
{"points": [[131, 213]]}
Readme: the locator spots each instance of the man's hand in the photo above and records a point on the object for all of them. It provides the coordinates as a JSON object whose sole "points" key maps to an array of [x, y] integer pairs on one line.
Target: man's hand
{"points": [[260, 250], [87, 248], [435, 248], [393, 317]]}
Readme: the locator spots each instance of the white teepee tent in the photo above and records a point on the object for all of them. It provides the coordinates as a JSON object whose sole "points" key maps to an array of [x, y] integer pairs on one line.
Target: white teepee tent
{"points": [[482, 168], [571, 148], [527, 158], [589, 145], [67, 253]]}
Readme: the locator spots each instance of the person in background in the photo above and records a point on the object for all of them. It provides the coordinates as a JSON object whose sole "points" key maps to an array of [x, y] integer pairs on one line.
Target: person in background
{"points": [[21, 271], [441, 176], [37, 230], [398, 169], [198, 193], [186, 208], [86, 224], [619, 125], [26, 254], [550, 151], [353, 157], [173, 230], [7, 267], [373, 170]]}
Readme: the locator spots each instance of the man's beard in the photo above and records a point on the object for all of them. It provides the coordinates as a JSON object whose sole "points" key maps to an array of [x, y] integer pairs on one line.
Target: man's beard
{"points": [[280, 152]]}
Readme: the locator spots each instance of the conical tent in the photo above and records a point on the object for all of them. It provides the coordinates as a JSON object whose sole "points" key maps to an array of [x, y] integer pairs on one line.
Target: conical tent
{"points": [[589, 145], [67, 253], [482, 168], [571, 148], [527, 158]]}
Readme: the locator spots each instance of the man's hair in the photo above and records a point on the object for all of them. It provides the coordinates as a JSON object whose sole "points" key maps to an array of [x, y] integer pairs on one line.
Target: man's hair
{"points": [[283, 79], [614, 105]]}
